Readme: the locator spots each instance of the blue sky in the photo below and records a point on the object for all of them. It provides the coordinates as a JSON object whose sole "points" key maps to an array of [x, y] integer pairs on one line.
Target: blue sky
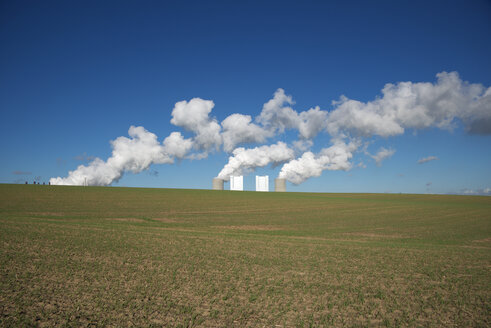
{"points": [[76, 74]]}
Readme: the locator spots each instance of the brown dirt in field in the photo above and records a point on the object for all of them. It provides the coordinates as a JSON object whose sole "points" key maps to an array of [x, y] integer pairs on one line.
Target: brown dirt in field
{"points": [[252, 227], [165, 220], [376, 235], [47, 219], [475, 247], [48, 214], [248, 209], [480, 244], [485, 240], [231, 211], [126, 219], [326, 239]]}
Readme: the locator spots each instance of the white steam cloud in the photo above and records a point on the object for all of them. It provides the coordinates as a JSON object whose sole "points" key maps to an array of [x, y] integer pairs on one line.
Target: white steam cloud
{"points": [[336, 157], [246, 160], [416, 105], [402, 106], [237, 128], [194, 116], [278, 116], [133, 154]]}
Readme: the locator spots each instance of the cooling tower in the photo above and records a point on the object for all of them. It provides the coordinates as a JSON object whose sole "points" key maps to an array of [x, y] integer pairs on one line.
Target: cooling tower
{"points": [[237, 182], [279, 184], [262, 183], [217, 184]]}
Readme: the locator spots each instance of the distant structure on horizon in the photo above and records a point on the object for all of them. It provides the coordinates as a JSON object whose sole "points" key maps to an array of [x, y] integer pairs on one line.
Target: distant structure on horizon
{"points": [[279, 185], [237, 183], [217, 184], [262, 183]]}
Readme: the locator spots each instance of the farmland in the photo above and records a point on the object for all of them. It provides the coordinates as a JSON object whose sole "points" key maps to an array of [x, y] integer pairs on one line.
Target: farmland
{"points": [[93, 256]]}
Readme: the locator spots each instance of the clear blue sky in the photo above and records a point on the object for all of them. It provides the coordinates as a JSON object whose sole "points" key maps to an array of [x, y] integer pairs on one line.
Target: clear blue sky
{"points": [[76, 74]]}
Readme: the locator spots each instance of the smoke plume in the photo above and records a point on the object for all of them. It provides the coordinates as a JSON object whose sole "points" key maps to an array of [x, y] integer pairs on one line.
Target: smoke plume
{"points": [[446, 103], [246, 160], [194, 116], [237, 129], [133, 154], [417, 106], [277, 116], [336, 157], [405, 105]]}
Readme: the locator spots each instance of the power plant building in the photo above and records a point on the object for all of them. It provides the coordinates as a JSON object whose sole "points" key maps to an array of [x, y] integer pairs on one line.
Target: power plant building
{"points": [[237, 183], [217, 184], [279, 185], [262, 183]]}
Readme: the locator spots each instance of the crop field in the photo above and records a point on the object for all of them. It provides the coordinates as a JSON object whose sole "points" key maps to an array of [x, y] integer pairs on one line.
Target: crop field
{"points": [[93, 256]]}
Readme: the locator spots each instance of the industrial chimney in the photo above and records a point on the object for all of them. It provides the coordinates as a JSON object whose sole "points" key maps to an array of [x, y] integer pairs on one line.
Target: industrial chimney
{"points": [[262, 183], [217, 184], [279, 185], [237, 183]]}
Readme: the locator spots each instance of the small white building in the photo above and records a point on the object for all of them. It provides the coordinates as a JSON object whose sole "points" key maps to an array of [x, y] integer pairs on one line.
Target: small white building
{"points": [[237, 183], [262, 183]]}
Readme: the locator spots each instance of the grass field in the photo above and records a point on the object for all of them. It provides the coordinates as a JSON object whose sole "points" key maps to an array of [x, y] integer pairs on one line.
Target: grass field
{"points": [[92, 256]]}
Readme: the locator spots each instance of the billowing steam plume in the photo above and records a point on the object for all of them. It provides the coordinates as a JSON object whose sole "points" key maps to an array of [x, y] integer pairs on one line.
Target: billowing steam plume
{"points": [[246, 160], [401, 106], [135, 155], [194, 116], [404, 105], [336, 157], [416, 105]]}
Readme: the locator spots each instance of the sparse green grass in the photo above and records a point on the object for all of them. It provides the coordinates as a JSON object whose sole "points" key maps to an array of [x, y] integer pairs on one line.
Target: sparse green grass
{"points": [[87, 256]]}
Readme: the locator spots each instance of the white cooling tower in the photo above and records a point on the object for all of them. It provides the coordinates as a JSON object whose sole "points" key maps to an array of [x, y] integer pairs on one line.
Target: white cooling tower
{"points": [[217, 184], [237, 182], [262, 183], [279, 185]]}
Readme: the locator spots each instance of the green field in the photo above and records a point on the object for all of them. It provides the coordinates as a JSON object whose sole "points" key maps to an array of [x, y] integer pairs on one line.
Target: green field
{"points": [[93, 256]]}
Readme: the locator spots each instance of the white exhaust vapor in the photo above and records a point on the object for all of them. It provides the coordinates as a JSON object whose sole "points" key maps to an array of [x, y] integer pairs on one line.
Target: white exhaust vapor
{"points": [[194, 116], [246, 160], [402, 106], [408, 105], [133, 154], [405, 105], [335, 157]]}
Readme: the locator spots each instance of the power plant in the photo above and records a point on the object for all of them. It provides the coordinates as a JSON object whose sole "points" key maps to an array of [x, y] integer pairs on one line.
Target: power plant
{"points": [[217, 184], [280, 185], [237, 183], [262, 183]]}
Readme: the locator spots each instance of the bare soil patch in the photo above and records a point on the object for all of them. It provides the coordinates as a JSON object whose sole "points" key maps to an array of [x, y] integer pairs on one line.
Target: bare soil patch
{"points": [[485, 240], [252, 227], [376, 235], [165, 220], [126, 219], [48, 214]]}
